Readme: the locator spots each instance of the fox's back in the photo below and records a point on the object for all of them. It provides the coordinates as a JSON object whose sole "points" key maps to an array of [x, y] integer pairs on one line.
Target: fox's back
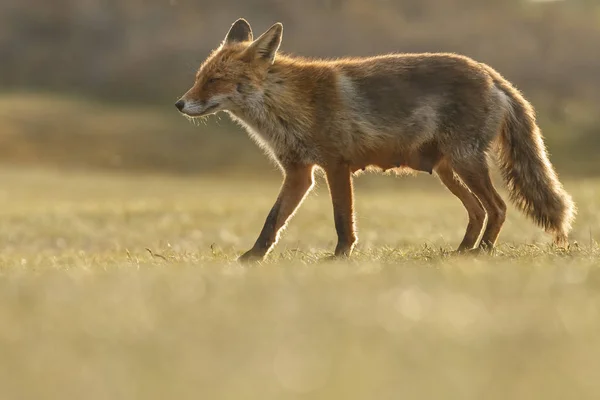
{"points": [[392, 87]]}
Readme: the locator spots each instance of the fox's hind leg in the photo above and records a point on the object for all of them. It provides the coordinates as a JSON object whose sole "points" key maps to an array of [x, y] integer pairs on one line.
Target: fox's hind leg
{"points": [[475, 175], [298, 181], [474, 208]]}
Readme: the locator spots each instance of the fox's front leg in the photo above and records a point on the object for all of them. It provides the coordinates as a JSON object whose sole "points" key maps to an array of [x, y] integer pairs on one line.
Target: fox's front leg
{"points": [[339, 179], [297, 183]]}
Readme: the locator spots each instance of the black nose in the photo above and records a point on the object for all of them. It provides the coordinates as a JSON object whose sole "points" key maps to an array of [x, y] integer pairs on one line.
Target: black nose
{"points": [[180, 104]]}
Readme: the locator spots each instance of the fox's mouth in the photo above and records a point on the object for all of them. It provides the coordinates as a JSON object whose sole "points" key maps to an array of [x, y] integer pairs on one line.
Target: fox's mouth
{"points": [[209, 109], [201, 113]]}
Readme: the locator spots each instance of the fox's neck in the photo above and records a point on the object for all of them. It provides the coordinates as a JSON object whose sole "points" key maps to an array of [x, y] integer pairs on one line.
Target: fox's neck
{"points": [[282, 107]]}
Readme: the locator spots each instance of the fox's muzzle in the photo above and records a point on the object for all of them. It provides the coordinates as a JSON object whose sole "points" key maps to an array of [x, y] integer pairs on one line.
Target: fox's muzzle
{"points": [[196, 108]]}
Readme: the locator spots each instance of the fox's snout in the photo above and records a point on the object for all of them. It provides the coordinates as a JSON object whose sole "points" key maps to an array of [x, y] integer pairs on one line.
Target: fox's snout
{"points": [[195, 108]]}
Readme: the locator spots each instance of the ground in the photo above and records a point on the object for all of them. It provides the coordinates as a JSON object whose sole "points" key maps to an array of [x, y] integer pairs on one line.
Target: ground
{"points": [[126, 287]]}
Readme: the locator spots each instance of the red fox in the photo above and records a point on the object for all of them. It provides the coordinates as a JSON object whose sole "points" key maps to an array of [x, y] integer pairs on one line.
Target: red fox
{"points": [[433, 112]]}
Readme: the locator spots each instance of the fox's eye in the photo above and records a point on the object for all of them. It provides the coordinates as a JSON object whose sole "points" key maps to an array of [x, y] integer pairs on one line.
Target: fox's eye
{"points": [[212, 80]]}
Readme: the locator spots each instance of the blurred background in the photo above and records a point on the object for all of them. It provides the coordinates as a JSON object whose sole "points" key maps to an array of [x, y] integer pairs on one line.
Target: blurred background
{"points": [[90, 84], [118, 235]]}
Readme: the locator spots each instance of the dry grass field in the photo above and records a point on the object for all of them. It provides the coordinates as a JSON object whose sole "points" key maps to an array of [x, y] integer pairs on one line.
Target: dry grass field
{"points": [[126, 287]]}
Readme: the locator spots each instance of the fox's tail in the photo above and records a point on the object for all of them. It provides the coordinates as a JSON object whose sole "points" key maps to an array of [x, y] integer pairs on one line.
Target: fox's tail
{"points": [[532, 182]]}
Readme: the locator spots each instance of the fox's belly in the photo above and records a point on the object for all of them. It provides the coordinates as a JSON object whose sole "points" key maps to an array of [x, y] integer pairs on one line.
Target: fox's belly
{"points": [[424, 158]]}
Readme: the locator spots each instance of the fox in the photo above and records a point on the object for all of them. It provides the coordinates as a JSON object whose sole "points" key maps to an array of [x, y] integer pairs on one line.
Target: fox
{"points": [[440, 113]]}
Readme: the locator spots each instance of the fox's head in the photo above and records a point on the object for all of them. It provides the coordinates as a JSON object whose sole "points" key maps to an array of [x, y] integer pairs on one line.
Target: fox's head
{"points": [[234, 74]]}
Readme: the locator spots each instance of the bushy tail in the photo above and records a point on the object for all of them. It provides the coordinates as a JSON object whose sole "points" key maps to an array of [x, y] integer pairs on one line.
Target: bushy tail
{"points": [[533, 184]]}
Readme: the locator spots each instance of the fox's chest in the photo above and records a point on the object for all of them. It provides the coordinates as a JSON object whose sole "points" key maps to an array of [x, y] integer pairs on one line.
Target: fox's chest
{"points": [[278, 138]]}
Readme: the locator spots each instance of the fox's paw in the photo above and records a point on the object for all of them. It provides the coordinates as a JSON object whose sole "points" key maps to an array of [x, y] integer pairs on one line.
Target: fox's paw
{"points": [[477, 251], [467, 252], [250, 257], [328, 258], [486, 248], [336, 257], [343, 250]]}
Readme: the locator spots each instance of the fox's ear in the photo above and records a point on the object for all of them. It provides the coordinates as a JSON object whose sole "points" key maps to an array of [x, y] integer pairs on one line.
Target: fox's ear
{"points": [[266, 46], [240, 31]]}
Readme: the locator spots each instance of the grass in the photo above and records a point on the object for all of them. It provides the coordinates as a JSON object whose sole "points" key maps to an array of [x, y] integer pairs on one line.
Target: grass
{"points": [[126, 287]]}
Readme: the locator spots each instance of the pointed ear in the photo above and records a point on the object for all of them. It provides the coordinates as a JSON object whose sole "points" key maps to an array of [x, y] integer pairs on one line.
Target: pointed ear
{"points": [[240, 31], [266, 46]]}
